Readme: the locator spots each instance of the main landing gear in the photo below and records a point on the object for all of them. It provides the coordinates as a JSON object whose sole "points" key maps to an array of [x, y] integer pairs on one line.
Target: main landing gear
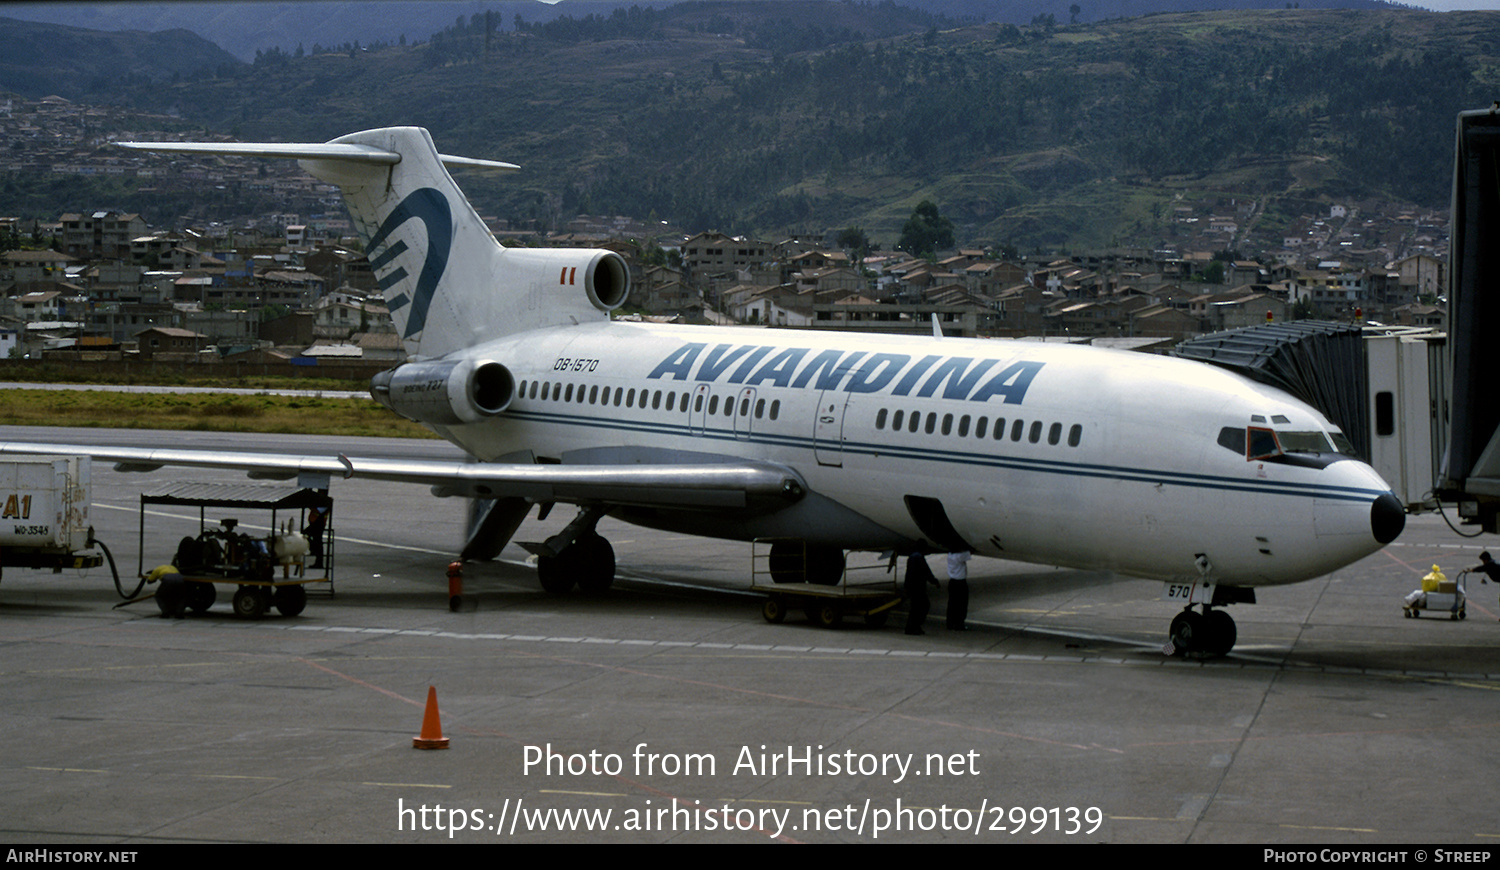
{"points": [[1211, 632], [576, 555]]}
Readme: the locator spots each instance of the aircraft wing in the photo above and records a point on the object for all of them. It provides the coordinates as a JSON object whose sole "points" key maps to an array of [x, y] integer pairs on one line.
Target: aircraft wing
{"points": [[711, 486]]}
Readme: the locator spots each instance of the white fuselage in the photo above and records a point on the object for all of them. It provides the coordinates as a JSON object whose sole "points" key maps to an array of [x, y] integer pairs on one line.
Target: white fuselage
{"points": [[1044, 453]]}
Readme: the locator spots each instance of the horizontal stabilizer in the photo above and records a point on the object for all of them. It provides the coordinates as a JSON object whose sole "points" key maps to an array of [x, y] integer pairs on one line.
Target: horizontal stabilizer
{"points": [[347, 152]]}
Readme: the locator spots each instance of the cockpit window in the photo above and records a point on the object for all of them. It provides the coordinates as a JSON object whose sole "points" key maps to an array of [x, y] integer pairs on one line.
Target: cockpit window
{"points": [[1232, 439], [1305, 442], [1262, 444], [1341, 443]]}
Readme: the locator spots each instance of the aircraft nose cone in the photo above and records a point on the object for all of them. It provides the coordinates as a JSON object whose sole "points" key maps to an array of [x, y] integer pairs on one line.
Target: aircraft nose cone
{"points": [[1387, 518]]}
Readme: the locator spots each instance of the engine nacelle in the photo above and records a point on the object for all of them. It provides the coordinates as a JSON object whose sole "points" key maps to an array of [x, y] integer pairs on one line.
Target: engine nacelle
{"points": [[446, 393], [557, 272]]}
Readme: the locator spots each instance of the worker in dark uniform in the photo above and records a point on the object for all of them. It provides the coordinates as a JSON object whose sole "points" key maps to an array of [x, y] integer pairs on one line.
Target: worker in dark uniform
{"points": [[1487, 569], [918, 575], [317, 521]]}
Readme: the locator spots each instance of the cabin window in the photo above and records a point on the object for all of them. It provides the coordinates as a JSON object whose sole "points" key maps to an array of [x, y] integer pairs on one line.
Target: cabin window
{"points": [[999, 428], [713, 405], [980, 426], [1016, 430], [931, 422], [880, 419], [897, 420], [1036, 431], [745, 407], [685, 402], [533, 389], [1054, 434], [947, 424], [522, 392], [568, 397], [760, 408], [630, 399], [1075, 435], [775, 408], [594, 395], [963, 426], [671, 401], [729, 406], [656, 400], [916, 421]]}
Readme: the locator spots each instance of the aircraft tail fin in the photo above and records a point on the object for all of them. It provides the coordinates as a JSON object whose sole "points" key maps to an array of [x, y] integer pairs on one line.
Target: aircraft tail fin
{"points": [[448, 283]]}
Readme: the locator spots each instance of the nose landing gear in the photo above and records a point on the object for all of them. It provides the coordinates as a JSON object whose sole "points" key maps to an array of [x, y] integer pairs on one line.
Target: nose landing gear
{"points": [[1211, 632]]}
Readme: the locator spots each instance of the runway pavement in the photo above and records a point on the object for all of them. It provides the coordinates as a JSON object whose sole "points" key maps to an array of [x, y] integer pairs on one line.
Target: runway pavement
{"points": [[668, 710]]}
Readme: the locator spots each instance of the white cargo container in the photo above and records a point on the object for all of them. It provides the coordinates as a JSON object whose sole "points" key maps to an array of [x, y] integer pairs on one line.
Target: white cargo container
{"points": [[44, 506]]}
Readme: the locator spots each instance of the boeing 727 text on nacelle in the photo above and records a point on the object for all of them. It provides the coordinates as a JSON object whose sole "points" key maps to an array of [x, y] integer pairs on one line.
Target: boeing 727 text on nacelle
{"points": [[1149, 466]]}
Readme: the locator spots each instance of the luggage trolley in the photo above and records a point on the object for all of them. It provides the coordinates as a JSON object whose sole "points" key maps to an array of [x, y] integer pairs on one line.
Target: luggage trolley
{"points": [[224, 555], [781, 567], [1440, 594]]}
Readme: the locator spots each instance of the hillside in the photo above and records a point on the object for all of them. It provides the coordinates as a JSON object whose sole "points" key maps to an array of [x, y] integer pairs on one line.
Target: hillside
{"points": [[766, 120], [73, 62]]}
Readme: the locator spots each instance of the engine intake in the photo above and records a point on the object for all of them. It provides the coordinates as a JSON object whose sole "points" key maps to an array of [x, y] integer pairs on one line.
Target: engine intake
{"points": [[446, 393]]}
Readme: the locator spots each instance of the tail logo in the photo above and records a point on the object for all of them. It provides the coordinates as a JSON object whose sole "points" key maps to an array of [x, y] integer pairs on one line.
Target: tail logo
{"points": [[430, 207]]}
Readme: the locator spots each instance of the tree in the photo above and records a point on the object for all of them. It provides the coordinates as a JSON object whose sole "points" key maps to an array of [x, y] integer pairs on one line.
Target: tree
{"points": [[854, 240], [926, 232]]}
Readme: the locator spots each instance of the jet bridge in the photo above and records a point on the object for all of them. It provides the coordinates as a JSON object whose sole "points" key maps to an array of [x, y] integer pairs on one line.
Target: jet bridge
{"points": [[1319, 362], [1470, 471]]}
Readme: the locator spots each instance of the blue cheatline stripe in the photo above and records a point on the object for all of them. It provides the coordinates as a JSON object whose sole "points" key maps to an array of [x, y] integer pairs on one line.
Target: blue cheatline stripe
{"points": [[956, 457]]}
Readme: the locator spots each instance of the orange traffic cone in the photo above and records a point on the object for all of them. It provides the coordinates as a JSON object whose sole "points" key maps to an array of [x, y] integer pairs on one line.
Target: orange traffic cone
{"points": [[432, 727]]}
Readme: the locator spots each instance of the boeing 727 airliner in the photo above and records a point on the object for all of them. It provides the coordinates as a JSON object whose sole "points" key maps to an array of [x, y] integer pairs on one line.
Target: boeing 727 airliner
{"points": [[1152, 467]]}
